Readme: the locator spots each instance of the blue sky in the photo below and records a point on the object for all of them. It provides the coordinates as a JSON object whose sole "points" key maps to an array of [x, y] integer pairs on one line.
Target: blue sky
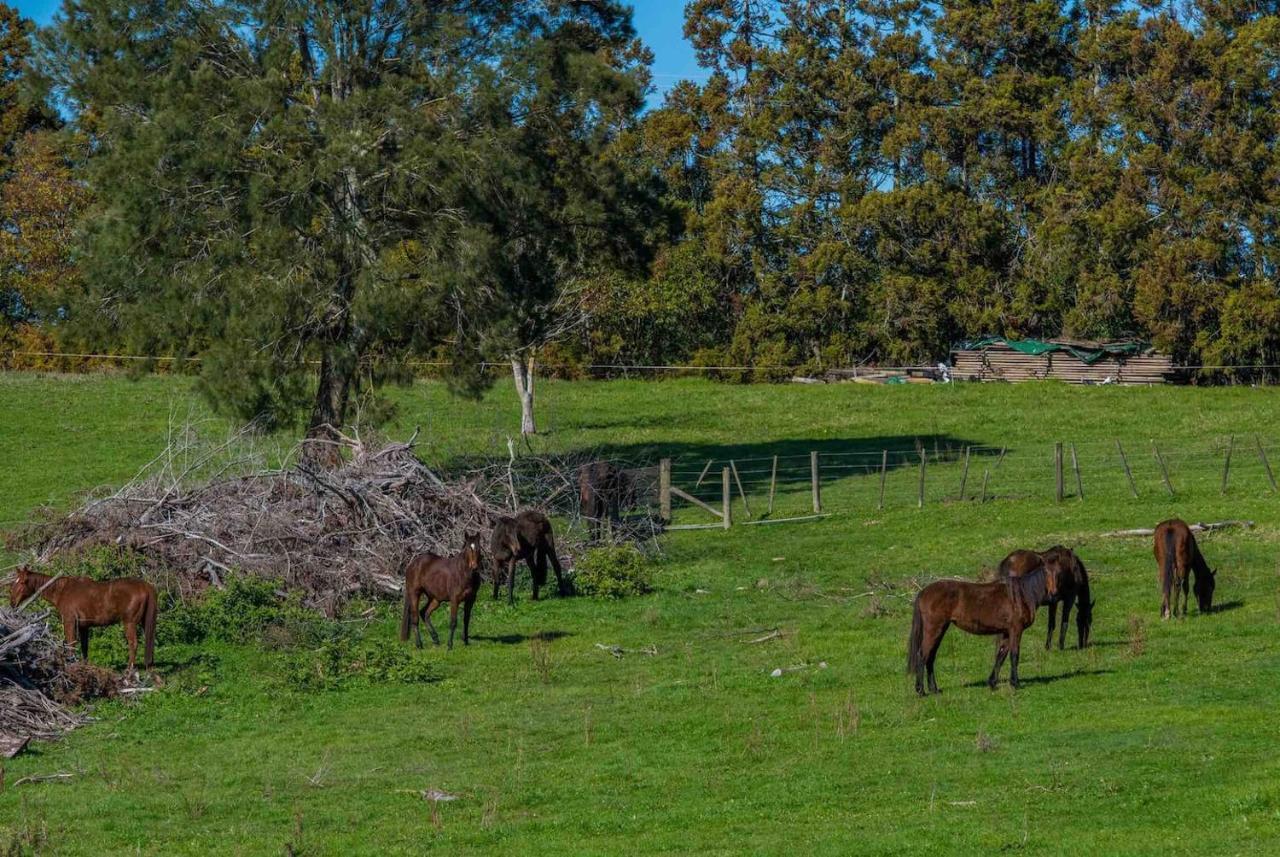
{"points": [[660, 23]]}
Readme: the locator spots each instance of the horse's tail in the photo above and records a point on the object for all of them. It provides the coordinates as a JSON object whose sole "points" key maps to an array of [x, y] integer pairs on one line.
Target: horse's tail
{"points": [[915, 658], [1084, 609], [1170, 563], [149, 628]]}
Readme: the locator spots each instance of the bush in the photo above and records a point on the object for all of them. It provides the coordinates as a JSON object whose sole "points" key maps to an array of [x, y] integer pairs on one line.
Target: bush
{"points": [[613, 572], [343, 660], [247, 609]]}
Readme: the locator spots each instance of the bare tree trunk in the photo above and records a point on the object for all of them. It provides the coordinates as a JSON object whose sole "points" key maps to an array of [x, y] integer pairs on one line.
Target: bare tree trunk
{"points": [[522, 369]]}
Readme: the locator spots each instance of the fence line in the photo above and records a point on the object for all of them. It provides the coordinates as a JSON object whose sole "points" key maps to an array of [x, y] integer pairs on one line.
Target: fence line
{"points": [[816, 482]]}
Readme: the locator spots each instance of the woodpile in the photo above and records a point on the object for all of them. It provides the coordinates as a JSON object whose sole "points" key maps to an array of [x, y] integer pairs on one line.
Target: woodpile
{"points": [[34, 679], [998, 362], [203, 511]]}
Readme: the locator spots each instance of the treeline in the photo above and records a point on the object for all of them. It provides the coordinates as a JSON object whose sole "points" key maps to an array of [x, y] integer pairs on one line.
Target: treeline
{"points": [[882, 178], [308, 197]]}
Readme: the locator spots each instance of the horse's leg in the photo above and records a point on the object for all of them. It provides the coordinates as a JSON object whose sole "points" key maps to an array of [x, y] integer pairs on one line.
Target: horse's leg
{"points": [[1067, 604], [1186, 588], [531, 561], [1002, 651], [70, 630], [432, 604], [453, 620], [83, 633], [1053, 610], [511, 581], [1015, 649], [930, 642], [131, 637], [466, 620], [497, 578]]}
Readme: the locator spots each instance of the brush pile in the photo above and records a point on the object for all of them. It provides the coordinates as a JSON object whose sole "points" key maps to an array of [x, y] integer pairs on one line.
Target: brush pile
{"points": [[200, 512], [35, 679]]}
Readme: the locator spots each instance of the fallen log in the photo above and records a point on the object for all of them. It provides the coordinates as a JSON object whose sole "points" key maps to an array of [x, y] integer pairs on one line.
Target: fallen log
{"points": [[1195, 528]]}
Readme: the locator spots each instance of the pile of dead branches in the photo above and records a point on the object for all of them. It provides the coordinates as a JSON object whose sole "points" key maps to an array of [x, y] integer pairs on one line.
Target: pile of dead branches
{"points": [[33, 678], [200, 512]]}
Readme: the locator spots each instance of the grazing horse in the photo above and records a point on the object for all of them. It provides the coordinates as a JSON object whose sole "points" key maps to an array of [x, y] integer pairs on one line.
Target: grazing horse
{"points": [[603, 489], [1072, 583], [83, 603], [1177, 554], [1005, 608], [526, 537], [455, 579]]}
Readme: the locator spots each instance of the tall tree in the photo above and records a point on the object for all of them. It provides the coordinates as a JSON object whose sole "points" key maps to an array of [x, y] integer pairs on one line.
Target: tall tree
{"points": [[300, 193]]}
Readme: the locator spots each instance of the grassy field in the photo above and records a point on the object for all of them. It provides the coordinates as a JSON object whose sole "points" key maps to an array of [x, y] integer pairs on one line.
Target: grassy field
{"points": [[1158, 739]]}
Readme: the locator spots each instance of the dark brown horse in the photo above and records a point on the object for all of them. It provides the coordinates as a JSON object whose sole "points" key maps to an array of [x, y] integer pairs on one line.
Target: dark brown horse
{"points": [[1005, 608], [1072, 584], [1177, 554], [603, 489], [455, 579], [83, 603], [527, 537]]}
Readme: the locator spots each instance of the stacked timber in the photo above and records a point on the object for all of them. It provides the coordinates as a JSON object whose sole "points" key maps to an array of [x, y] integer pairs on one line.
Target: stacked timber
{"points": [[999, 362]]}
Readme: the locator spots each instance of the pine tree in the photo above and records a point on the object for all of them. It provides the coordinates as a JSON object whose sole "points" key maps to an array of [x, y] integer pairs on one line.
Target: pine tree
{"points": [[307, 195]]}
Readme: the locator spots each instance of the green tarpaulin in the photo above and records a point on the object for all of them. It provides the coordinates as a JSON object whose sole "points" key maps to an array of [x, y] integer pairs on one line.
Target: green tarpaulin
{"points": [[1088, 354]]}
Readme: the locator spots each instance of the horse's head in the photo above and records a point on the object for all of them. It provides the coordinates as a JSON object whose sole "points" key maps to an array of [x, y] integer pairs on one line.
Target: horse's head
{"points": [[1051, 578], [21, 587], [1204, 585], [471, 551]]}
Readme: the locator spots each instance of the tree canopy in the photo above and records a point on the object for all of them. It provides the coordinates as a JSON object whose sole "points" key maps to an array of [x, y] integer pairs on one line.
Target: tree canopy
{"points": [[306, 195]]}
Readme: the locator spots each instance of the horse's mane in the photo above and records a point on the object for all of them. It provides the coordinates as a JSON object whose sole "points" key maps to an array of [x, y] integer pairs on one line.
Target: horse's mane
{"points": [[1028, 590]]}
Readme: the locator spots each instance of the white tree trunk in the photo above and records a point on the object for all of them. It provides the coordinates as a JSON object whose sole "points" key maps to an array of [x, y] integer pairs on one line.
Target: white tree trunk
{"points": [[523, 372]]}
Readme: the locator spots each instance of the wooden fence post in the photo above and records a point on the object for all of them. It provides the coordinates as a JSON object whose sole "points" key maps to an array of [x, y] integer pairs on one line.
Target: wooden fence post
{"points": [[1127, 472], [773, 483], [726, 499], [1266, 464], [964, 474], [920, 490], [1164, 470], [1075, 465], [703, 474], [986, 474], [883, 472], [734, 467], [1057, 470], [1226, 464], [664, 490], [813, 478]]}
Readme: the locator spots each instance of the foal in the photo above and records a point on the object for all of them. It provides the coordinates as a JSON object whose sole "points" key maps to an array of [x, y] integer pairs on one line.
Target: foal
{"points": [[455, 579], [83, 603], [1177, 554], [526, 537], [1005, 608]]}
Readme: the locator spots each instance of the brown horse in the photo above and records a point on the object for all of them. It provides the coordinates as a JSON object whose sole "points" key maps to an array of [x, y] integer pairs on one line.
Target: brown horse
{"points": [[1177, 554], [527, 537], [1005, 608], [603, 489], [1072, 582], [455, 579], [84, 603]]}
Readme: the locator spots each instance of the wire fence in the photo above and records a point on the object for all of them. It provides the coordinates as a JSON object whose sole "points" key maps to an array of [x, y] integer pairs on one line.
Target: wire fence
{"points": [[727, 490]]}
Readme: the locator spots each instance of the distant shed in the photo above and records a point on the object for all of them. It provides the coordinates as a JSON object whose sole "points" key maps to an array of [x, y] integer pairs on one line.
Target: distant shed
{"points": [[1071, 360]]}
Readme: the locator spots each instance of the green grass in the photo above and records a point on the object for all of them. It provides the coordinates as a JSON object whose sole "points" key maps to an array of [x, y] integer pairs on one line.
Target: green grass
{"points": [[1158, 739]]}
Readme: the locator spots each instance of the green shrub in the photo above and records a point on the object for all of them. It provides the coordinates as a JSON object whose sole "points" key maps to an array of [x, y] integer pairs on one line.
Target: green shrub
{"points": [[247, 609], [344, 660], [613, 572]]}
